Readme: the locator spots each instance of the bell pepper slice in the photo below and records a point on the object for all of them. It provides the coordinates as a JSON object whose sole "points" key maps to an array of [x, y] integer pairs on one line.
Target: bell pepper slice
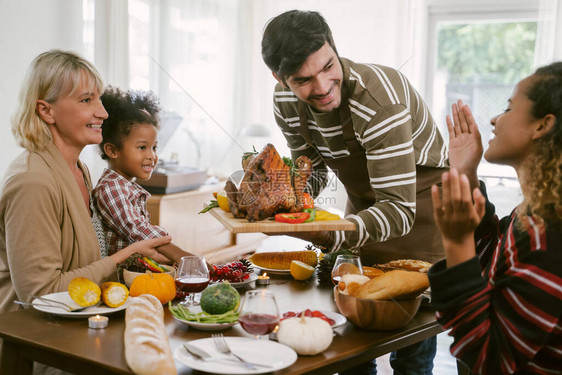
{"points": [[153, 266], [311, 212], [292, 217], [307, 201], [325, 215]]}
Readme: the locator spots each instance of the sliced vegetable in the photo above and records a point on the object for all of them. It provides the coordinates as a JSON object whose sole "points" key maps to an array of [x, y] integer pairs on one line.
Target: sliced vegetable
{"points": [[153, 266], [311, 212], [307, 201], [325, 215], [183, 313], [292, 218], [212, 204]]}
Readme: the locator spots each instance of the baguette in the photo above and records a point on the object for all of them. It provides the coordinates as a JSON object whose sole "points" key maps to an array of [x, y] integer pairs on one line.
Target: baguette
{"points": [[396, 284], [147, 349]]}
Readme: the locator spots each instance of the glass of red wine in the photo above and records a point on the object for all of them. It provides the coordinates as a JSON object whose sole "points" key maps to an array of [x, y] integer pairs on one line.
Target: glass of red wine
{"points": [[259, 314], [192, 276]]}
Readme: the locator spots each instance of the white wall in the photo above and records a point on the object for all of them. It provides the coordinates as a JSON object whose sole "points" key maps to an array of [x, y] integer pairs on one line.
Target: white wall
{"points": [[28, 28]]}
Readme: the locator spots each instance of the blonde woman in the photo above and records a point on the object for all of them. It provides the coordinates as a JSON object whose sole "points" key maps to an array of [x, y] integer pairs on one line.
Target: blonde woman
{"points": [[499, 290], [49, 230]]}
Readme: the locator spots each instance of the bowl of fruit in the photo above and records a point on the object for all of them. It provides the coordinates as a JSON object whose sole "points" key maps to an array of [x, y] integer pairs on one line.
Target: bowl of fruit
{"points": [[138, 264]]}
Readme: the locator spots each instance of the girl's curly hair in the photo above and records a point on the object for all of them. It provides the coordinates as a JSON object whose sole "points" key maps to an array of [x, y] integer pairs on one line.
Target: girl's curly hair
{"points": [[126, 110], [542, 179]]}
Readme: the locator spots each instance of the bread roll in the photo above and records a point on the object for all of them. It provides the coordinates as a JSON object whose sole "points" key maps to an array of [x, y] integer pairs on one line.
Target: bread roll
{"points": [[396, 284], [350, 282], [406, 264], [147, 349]]}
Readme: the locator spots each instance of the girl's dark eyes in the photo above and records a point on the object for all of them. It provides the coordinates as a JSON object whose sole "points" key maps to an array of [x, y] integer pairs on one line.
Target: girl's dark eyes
{"points": [[142, 147]]}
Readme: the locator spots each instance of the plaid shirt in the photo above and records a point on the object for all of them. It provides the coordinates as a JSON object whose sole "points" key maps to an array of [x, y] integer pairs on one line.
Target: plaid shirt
{"points": [[122, 206]]}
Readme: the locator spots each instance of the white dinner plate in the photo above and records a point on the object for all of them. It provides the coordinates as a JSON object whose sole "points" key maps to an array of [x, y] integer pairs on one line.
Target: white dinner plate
{"points": [[203, 326], [271, 353], [253, 277], [206, 326], [273, 271], [339, 319], [65, 298]]}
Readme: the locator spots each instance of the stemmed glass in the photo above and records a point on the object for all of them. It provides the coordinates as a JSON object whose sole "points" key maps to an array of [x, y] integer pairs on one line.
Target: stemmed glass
{"points": [[345, 264], [259, 314], [192, 276]]}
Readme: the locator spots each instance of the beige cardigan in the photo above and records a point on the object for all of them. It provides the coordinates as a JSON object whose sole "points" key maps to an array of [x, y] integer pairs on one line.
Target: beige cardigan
{"points": [[46, 235]]}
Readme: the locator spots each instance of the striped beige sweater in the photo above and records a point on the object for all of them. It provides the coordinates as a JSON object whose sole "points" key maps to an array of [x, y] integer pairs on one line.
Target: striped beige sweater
{"points": [[397, 131]]}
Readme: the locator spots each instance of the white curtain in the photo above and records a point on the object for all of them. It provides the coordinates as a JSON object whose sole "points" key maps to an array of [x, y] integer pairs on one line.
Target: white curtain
{"points": [[549, 33]]}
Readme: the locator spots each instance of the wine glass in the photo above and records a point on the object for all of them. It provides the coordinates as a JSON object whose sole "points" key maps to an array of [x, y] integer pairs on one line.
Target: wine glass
{"points": [[345, 264], [259, 314], [192, 276]]}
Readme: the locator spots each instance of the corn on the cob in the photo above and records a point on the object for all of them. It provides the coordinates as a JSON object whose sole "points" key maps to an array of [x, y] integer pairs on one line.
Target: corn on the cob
{"points": [[84, 291], [114, 294], [281, 260]]}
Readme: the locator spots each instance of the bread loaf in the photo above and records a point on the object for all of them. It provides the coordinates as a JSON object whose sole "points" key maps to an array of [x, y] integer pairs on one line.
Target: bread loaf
{"points": [[396, 284], [147, 349]]}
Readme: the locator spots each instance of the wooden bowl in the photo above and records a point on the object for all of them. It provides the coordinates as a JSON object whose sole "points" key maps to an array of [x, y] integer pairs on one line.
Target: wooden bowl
{"points": [[129, 276], [377, 315]]}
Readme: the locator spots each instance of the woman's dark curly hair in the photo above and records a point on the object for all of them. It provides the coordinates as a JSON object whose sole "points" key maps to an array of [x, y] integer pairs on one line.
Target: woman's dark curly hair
{"points": [[289, 38], [542, 178], [126, 110]]}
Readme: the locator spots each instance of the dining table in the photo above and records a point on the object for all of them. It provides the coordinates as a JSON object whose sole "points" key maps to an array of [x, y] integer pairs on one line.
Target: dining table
{"points": [[69, 344]]}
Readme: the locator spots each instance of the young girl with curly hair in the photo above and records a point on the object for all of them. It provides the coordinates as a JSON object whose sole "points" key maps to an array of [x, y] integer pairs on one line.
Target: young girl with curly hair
{"points": [[499, 290], [130, 146]]}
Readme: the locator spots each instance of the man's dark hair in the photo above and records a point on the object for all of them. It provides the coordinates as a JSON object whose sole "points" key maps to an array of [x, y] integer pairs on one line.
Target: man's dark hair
{"points": [[291, 37], [126, 110]]}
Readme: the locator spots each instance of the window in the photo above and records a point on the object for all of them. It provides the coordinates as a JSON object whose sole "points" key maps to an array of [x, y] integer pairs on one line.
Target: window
{"points": [[478, 56]]}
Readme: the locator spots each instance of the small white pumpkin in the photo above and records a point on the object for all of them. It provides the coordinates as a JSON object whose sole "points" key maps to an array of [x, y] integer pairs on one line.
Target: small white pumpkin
{"points": [[307, 336]]}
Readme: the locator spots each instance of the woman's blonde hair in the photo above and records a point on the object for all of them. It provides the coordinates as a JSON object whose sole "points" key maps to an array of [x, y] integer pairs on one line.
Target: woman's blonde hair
{"points": [[51, 75], [542, 178]]}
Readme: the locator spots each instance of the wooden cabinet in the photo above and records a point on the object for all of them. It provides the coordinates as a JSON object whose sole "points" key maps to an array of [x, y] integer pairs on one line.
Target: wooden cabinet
{"points": [[201, 234]]}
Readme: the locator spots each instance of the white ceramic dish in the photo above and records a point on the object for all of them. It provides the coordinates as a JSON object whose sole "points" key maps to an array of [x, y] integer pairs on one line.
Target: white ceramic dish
{"points": [[129, 276], [273, 271], [204, 326], [65, 298], [253, 277], [339, 319], [266, 352]]}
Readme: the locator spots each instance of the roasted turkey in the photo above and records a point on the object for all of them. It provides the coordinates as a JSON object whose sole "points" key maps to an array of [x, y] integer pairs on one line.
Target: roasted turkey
{"points": [[269, 186]]}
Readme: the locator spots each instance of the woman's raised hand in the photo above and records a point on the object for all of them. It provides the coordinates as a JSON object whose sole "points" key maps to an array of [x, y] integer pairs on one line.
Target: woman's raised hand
{"points": [[457, 216], [465, 142]]}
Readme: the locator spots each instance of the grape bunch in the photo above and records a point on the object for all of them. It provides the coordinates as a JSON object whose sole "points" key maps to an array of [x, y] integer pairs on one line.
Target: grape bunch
{"points": [[233, 272]]}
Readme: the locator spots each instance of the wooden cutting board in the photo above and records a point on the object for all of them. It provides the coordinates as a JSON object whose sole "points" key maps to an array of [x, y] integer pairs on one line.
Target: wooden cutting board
{"points": [[271, 226]]}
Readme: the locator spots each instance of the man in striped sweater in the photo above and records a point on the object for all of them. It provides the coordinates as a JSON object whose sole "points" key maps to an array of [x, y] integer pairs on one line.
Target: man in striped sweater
{"points": [[369, 125]]}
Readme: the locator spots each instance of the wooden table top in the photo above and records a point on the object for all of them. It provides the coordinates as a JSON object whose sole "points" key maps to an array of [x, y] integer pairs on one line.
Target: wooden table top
{"points": [[69, 343]]}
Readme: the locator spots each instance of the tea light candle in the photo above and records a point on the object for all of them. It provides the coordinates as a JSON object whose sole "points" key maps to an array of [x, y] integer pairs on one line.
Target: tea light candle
{"points": [[263, 280], [98, 321]]}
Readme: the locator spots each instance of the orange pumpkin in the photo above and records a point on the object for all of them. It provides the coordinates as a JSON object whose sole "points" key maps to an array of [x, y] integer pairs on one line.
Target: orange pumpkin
{"points": [[160, 285]]}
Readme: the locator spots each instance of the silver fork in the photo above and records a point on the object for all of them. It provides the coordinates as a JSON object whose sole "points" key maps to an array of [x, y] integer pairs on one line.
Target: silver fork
{"points": [[222, 346]]}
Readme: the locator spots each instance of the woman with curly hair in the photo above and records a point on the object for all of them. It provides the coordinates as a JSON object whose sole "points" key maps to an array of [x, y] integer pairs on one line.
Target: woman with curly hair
{"points": [[130, 146], [499, 290]]}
